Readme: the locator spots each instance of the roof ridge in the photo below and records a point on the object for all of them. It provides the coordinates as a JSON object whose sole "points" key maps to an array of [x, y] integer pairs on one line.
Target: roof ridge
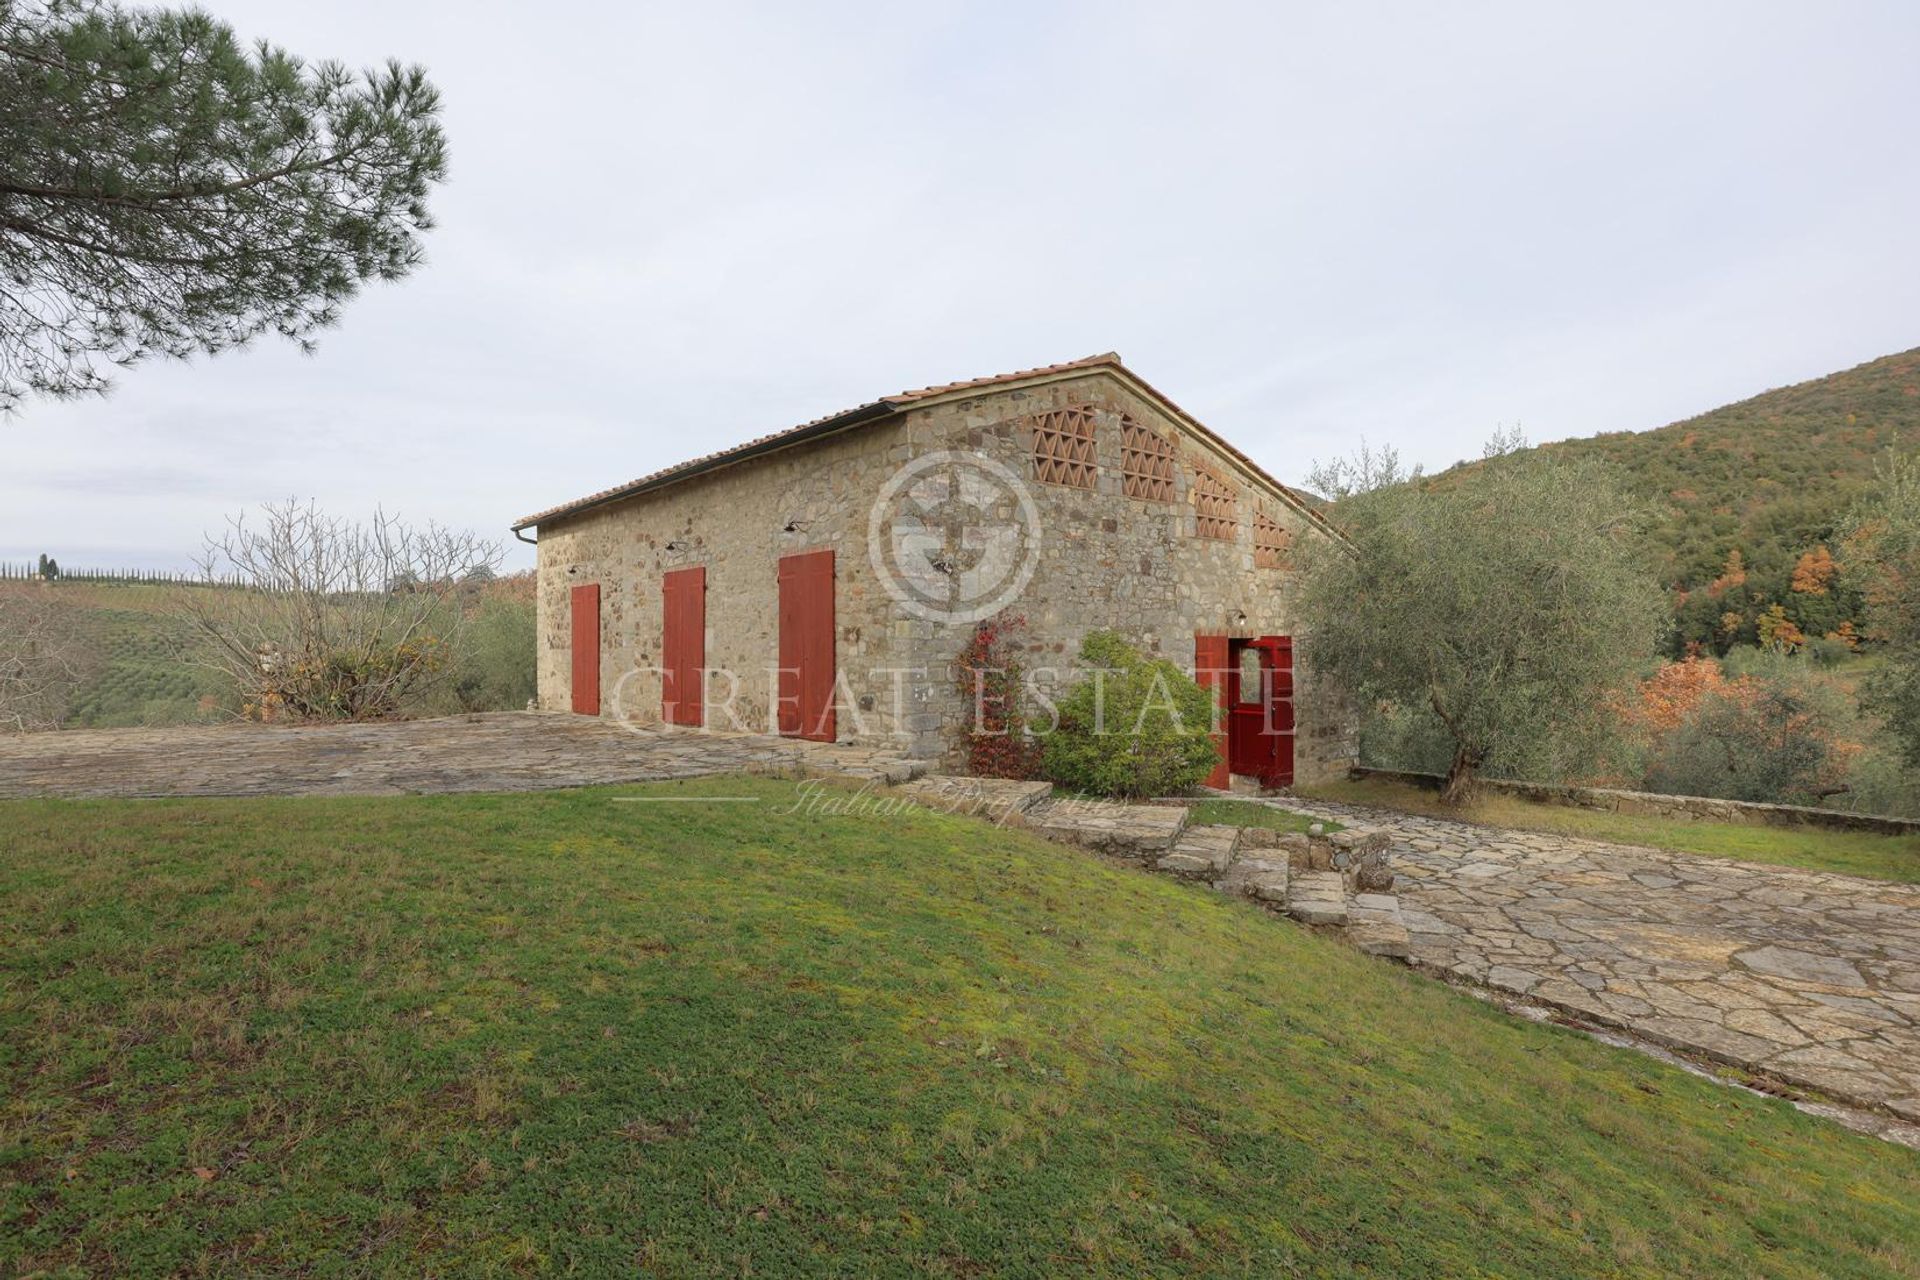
{"points": [[1085, 362], [888, 405]]}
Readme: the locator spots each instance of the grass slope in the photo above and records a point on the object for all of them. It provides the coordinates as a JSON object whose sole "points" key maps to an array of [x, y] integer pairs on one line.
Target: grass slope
{"points": [[1854, 853], [493, 1035], [1246, 813]]}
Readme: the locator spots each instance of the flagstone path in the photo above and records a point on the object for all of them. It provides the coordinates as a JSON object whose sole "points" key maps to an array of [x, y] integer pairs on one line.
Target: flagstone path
{"points": [[1812, 979], [495, 751]]}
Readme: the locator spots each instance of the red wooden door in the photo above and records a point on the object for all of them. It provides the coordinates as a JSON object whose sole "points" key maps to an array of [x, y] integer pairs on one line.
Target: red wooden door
{"points": [[1248, 749], [1210, 669], [586, 649], [807, 672], [1277, 728], [683, 646]]}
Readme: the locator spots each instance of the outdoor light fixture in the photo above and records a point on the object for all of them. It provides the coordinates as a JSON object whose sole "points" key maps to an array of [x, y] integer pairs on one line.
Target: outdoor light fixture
{"points": [[795, 526], [1240, 618], [677, 544]]}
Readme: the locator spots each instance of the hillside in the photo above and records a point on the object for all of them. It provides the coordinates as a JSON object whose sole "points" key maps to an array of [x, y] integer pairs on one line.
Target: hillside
{"points": [[1769, 477]]}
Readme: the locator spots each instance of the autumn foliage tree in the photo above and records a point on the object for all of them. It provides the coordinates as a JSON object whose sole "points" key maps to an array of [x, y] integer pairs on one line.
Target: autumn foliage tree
{"points": [[1814, 572]]}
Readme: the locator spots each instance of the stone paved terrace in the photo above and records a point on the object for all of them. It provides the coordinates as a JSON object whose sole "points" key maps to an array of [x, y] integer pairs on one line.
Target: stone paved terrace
{"points": [[1812, 979], [496, 751]]}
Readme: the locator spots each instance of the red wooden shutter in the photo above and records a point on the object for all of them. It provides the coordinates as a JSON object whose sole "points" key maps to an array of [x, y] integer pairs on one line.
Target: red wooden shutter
{"points": [[1279, 717], [1210, 669], [586, 649], [683, 646], [807, 669]]}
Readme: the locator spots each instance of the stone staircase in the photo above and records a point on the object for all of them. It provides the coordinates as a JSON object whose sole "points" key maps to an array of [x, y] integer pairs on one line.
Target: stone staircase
{"points": [[1330, 881]]}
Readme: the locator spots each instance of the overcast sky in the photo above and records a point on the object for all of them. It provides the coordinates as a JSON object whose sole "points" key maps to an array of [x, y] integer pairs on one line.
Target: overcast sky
{"points": [[672, 227]]}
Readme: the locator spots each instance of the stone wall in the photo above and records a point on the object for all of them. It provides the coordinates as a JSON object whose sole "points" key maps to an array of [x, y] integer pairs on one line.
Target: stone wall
{"points": [[1104, 560], [1137, 566], [1655, 805], [733, 521]]}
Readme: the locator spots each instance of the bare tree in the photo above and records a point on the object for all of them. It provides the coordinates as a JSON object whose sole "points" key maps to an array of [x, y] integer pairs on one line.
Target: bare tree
{"points": [[42, 661], [335, 619]]}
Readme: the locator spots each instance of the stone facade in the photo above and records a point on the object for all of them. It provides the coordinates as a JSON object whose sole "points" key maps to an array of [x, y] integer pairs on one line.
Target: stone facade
{"points": [[1102, 558]]}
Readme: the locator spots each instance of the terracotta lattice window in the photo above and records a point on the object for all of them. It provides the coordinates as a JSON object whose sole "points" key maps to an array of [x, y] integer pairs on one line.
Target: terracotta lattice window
{"points": [[1216, 505], [1063, 448], [1270, 542], [1146, 463]]}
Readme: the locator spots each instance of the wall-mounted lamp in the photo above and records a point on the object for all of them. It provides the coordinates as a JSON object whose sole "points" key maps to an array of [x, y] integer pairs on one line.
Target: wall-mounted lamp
{"points": [[572, 569], [677, 544], [1239, 617], [795, 526]]}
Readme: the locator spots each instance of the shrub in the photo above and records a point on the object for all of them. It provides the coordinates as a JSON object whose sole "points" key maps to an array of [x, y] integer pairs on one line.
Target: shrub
{"points": [[1879, 781], [493, 669], [1829, 651], [1769, 726], [1756, 739], [1132, 726], [336, 619]]}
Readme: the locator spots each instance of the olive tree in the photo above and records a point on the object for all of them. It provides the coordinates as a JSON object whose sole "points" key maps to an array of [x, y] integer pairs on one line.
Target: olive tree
{"points": [[1883, 538], [1506, 599]]}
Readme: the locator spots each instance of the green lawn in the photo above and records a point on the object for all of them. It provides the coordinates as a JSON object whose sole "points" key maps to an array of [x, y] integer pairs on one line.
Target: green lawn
{"points": [[1854, 853], [1246, 813], [504, 1035]]}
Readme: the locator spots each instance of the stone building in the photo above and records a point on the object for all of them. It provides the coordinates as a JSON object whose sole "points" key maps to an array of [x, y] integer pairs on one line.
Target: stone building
{"points": [[821, 581]]}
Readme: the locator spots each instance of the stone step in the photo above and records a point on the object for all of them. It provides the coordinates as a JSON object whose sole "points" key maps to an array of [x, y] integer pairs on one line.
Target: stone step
{"points": [[1318, 897], [1142, 831], [1312, 881], [1204, 851], [1375, 926]]}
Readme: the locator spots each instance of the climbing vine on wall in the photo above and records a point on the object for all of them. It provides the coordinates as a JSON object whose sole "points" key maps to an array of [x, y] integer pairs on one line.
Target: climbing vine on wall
{"points": [[990, 678]]}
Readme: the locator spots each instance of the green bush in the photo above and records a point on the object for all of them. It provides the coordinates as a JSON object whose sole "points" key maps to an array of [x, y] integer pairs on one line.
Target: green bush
{"points": [[494, 668], [1879, 781], [1132, 726], [1767, 735], [1829, 653], [1757, 740]]}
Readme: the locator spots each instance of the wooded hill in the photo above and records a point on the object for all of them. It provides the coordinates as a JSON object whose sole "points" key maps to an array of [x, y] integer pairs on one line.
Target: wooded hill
{"points": [[1745, 500]]}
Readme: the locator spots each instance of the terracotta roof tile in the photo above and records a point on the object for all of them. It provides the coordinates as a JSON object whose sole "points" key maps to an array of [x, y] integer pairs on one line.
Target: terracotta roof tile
{"points": [[884, 407]]}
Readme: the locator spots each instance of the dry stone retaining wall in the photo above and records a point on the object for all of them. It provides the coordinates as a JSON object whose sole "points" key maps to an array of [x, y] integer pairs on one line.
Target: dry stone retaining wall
{"points": [[1654, 805]]}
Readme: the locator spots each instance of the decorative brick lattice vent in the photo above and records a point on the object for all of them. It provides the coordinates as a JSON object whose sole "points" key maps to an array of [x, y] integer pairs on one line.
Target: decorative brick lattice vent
{"points": [[1146, 463], [1270, 542], [1063, 448], [1216, 505]]}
